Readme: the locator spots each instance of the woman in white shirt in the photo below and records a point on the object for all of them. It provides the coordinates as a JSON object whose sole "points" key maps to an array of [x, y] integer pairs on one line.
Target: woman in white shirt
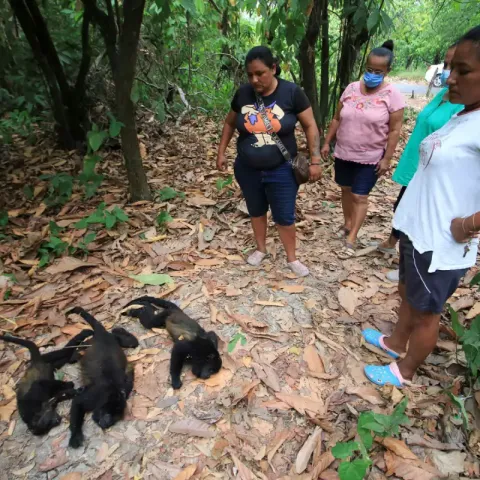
{"points": [[439, 218]]}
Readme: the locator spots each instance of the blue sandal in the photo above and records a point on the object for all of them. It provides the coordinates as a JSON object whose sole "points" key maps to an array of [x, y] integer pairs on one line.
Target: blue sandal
{"points": [[375, 338], [385, 375]]}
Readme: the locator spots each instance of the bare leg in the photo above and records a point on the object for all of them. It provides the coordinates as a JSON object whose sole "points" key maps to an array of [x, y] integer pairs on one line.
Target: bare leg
{"points": [[359, 212], [347, 206], [404, 327], [287, 236], [259, 226], [422, 342], [390, 242]]}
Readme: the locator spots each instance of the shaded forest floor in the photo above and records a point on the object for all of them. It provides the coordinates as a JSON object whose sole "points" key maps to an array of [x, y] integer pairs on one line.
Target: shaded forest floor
{"points": [[297, 365]]}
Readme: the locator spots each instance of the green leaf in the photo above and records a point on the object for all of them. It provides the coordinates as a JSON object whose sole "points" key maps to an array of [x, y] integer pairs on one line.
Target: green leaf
{"points": [[221, 183], [54, 228], [200, 6], [89, 238], [387, 21], [110, 220], [3, 219], [373, 20], [460, 403], [28, 192], [135, 93], [163, 218], [167, 193], [344, 450], [366, 437], [120, 214], [476, 279], [457, 327], [95, 139], [360, 17], [355, 470], [7, 294], [152, 279], [115, 127], [233, 342], [160, 111], [243, 340], [81, 224]]}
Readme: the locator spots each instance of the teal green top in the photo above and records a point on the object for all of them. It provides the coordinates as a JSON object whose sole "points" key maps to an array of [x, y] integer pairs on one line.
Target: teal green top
{"points": [[433, 117]]}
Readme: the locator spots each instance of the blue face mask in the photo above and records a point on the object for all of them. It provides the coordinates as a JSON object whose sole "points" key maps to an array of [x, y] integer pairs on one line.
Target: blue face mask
{"points": [[373, 80], [444, 77]]}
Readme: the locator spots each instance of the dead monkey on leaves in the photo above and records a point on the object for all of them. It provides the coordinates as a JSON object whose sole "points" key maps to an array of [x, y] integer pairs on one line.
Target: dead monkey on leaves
{"points": [[38, 393], [192, 343], [108, 381]]}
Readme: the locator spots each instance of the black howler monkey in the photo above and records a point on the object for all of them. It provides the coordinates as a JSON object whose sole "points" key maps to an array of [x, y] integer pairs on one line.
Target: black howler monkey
{"points": [[108, 381], [192, 343], [38, 393]]}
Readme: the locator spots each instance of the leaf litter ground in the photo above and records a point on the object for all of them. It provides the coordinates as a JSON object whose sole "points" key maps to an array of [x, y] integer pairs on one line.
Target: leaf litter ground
{"points": [[292, 384]]}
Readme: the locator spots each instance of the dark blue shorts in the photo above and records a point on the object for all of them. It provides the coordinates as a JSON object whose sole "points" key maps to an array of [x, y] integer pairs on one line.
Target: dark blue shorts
{"points": [[426, 292], [360, 177], [276, 188]]}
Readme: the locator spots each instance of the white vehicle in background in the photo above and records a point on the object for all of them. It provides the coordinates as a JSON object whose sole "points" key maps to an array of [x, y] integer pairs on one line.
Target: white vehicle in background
{"points": [[437, 81]]}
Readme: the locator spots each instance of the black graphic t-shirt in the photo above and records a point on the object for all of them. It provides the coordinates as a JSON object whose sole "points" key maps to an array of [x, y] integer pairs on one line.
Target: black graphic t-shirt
{"points": [[254, 145]]}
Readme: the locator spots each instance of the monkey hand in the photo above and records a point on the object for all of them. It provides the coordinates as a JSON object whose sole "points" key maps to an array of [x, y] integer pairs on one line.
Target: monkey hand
{"points": [[176, 383], [76, 440]]}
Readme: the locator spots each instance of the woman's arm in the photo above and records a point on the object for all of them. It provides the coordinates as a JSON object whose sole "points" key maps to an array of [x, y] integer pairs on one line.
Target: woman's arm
{"points": [[227, 134], [313, 141], [463, 229], [332, 131], [395, 126]]}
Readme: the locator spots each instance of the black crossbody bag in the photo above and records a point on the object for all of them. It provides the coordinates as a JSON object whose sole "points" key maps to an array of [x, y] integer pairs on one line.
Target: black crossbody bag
{"points": [[300, 163]]}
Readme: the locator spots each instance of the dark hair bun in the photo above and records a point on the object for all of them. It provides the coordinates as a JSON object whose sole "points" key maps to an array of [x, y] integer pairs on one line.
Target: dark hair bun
{"points": [[388, 45], [278, 69]]}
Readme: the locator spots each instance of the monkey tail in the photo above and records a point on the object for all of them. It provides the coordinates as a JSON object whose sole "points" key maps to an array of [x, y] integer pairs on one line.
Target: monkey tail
{"points": [[32, 348], [158, 302], [90, 319]]}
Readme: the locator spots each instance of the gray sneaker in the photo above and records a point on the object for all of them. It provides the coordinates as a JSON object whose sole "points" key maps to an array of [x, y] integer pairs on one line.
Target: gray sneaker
{"points": [[393, 276]]}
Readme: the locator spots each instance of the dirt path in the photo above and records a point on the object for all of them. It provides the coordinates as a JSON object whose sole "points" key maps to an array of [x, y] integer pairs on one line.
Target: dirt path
{"points": [[296, 365]]}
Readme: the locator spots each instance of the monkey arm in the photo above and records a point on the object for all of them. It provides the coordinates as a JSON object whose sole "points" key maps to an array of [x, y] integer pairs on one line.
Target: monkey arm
{"points": [[181, 350]]}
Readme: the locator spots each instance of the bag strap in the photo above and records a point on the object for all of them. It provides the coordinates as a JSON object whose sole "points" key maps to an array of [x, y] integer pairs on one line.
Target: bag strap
{"points": [[270, 130]]}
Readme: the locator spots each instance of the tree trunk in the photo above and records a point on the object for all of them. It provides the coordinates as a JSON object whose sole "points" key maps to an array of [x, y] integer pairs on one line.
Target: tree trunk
{"points": [[306, 59], [128, 48], [68, 113], [123, 62], [325, 63]]}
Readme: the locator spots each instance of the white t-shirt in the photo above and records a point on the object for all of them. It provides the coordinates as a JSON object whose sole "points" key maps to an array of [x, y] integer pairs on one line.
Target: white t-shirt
{"points": [[445, 186]]}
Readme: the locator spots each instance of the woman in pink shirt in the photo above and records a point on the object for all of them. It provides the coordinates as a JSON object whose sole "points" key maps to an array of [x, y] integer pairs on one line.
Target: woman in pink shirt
{"points": [[367, 127]]}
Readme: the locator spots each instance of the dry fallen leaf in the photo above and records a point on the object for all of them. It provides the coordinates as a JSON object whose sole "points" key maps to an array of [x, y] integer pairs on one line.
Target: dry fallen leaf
{"points": [[347, 299], [398, 447], [325, 460], [370, 394], [67, 264], [409, 469], [293, 288], [72, 476], [192, 427], [302, 404], [209, 262], [58, 459], [474, 311], [7, 410], [303, 457], [186, 473], [246, 389], [244, 472], [314, 362]]}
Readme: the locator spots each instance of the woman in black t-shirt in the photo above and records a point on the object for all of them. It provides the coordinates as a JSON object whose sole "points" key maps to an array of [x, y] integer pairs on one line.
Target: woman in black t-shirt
{"points": [[264, 176]]}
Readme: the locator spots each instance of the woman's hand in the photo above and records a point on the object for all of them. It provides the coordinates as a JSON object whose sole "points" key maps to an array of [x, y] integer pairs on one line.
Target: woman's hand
{"points": [[221, 162], [460, 231], [315, 173], [325, 151], [383, 167]]}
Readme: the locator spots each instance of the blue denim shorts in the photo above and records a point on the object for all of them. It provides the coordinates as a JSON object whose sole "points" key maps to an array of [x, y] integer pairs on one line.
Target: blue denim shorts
{"points": [[426, 292], [361, 177], [276, 188]]}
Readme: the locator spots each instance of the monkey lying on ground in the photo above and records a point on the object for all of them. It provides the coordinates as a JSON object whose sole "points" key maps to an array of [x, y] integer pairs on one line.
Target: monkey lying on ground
{"points": [[192, 343], [125, 340], [38, 393], [108, 378]]}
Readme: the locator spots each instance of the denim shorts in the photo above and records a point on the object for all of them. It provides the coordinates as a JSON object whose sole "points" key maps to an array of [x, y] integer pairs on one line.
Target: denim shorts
{"points": [[426, 292], [276, 188], [361, 177]]}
